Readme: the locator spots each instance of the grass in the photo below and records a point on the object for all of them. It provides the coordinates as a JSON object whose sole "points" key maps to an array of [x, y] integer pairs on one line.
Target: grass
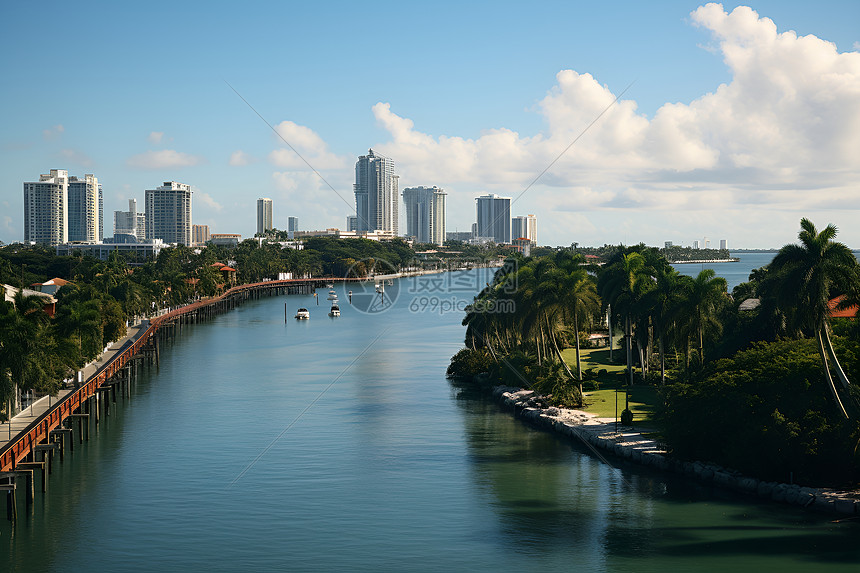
{"points": [[643, 399]]}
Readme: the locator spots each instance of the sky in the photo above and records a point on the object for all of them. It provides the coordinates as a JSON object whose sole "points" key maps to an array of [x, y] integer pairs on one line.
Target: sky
{"points": [[732, 121]]}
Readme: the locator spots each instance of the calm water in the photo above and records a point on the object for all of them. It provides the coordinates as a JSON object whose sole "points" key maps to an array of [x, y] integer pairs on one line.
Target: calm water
{"points": [[734, 273], [338, 444]]}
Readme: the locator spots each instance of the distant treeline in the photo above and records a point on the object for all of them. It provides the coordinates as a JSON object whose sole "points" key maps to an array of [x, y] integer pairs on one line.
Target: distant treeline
{"points": [[678, 253]]}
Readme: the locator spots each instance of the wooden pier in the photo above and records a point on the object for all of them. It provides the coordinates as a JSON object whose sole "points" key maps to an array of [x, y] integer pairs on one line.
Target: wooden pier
{"points": [[46, 439]]}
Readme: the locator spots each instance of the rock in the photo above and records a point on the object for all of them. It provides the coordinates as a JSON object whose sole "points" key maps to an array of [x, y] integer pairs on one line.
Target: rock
{"points": [[764, 489], [749, 485], [844, 505]]}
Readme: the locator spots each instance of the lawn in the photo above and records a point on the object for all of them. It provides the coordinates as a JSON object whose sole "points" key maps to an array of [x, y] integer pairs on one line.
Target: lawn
{"points": [[602, 402]]}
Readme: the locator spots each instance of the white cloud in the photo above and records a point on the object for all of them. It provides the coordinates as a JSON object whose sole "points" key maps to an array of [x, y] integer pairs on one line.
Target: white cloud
{"points": [[308, 144], [53, 133], [154, 137], [77, 157], [857, 46], [164, 159], [783, 133], [207, 200], [239, 158]]}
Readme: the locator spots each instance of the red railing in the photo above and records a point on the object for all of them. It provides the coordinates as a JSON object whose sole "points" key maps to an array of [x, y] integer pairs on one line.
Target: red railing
{"points": [[39, 431]]}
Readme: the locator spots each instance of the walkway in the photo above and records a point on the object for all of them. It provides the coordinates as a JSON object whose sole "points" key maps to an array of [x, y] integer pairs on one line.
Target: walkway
{"points": [[23, 421]]}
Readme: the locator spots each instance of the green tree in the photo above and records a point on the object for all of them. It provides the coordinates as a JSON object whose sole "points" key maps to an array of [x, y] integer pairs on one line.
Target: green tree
{"points": [[808, 276]]}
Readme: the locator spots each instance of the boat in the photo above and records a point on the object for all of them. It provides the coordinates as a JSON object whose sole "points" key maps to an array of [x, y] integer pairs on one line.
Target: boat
{"points": [[335, 310], [332, 295], [329, 285], [302, 314]]}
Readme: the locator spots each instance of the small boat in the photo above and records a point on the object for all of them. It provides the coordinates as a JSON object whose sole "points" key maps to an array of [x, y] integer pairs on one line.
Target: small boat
{"points": [[302, 314], [380, 287], [332, 295], [329, 285], [335, 310]]}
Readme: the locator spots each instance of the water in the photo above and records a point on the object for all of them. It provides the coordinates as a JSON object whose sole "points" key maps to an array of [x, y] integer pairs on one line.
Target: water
{"points": [[315, 446], [735, 273], [738, 272]]}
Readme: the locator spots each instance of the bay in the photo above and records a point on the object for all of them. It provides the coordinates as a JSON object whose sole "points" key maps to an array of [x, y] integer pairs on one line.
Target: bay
{"points": [[338, 444]]}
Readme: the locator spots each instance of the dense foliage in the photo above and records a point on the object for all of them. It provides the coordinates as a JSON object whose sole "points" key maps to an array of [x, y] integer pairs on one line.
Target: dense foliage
{"points": [[766, 412], [759, 380]]}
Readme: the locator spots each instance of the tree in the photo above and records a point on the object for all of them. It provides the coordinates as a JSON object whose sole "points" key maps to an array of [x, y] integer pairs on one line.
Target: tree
{"points": [[808, 276], [704, 298]]}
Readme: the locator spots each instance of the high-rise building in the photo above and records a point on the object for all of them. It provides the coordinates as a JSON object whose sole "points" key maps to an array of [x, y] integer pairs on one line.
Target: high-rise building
{"points": [[524, 228], [351, 223], [696, 244], [131, 222], [667, 245], [264, 215], [84, 214], [376, 197], [494, 218], [292, 224], [199, 234], [46, 209], [168, 213], [425, 214]]}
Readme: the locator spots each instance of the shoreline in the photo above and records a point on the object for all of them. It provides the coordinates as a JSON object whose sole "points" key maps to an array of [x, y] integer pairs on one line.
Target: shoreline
{"points": [[637, 447], [706, 261]]}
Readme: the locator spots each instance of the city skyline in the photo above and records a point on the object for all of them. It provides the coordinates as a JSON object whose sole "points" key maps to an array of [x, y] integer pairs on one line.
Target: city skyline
{"points": [[739, 122]]}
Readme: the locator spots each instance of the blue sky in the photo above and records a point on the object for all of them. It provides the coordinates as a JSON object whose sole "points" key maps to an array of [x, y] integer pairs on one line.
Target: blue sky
{"points": [[476, 98]]}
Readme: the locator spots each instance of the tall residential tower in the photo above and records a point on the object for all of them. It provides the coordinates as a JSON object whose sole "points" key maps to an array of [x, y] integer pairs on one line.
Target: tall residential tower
{"points": [[264, 215], [168, 213], [376, 197], [46, 214], [425, 214], [494, 218]]}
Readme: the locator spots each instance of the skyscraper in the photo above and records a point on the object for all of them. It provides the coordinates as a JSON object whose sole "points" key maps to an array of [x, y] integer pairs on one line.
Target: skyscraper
{"points": [[83, 205], [494, 217], [168, 213], [425, 214], [131, 222], [524, 228], [46, 210], [264, 215], [351, 222], [292, 224], [376, 197]]}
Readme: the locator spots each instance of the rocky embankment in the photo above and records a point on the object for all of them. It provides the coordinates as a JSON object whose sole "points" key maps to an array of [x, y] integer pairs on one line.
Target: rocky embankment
{"points": [[634, 445]]}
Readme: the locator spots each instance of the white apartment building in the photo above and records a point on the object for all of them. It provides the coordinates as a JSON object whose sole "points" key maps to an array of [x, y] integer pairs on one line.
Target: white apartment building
{"points": [[46, 209], [376, 197], [168, 213], [425, 214]]}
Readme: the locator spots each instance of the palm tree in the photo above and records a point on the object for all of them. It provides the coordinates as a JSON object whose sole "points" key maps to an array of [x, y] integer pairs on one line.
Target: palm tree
{"points": [[808, 275], [705, 296], [664, 303], [621, 284]]}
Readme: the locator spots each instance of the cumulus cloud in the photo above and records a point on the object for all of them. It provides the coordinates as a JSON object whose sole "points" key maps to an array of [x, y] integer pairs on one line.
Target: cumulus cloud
{"points": [[53, 133], [207, 200], [77, 157], [163, 159], [155, 137], [240, 158], [787, 122], [308, 144]]}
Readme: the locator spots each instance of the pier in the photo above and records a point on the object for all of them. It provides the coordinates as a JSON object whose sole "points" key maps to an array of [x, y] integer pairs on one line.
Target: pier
{"points": [[41, 434]]}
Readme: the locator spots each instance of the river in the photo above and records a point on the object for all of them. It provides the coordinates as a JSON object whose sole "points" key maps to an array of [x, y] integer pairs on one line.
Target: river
{"points": [[338, 444]]}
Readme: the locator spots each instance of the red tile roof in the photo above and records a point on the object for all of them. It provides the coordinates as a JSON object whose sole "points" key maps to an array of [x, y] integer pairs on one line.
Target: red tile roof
{"points": [[850, 312]]}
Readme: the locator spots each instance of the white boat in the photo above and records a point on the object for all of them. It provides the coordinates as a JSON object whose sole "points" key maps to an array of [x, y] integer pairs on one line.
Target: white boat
{"points": [[329, 285], [332, 295], [302, 314], [335, 310]]}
